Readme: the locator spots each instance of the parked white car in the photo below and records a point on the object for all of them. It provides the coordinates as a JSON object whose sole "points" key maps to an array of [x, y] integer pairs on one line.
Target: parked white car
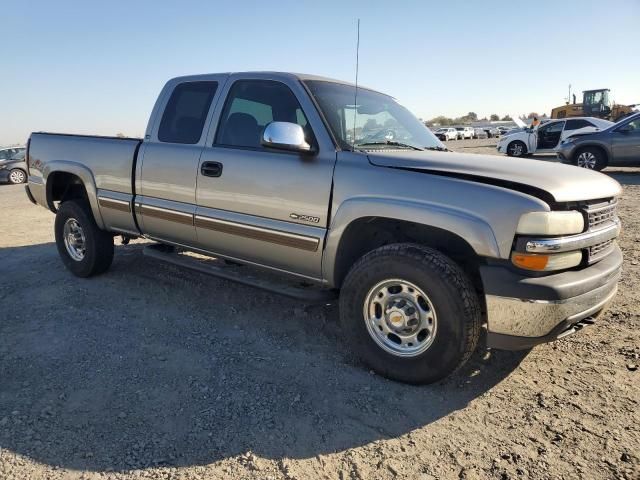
{"points": [[446, 133], [465, 132], [546, 138]]}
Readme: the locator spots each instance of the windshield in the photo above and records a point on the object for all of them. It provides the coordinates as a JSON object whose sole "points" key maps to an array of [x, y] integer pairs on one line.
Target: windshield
{"points": [[376, 119]]}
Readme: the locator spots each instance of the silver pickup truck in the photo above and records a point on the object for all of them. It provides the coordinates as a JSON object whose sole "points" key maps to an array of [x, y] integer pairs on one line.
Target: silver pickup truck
{"points": [[316, 188]]}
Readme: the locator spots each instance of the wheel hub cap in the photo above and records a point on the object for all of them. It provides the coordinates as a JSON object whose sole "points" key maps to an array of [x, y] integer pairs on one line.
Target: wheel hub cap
{"points": [[74, 239], [17, 176], [400, 318], [587, 160]]}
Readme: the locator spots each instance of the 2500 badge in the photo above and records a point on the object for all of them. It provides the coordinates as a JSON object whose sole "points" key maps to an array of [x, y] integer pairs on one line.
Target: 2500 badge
{"points": [[305, 218]]}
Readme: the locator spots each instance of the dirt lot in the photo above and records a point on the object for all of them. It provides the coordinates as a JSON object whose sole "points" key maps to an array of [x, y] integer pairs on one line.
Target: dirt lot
{"points": [[153, 372]]}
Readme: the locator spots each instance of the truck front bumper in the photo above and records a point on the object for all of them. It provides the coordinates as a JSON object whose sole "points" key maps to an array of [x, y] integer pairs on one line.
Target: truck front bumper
{"points": [[526, 311]]}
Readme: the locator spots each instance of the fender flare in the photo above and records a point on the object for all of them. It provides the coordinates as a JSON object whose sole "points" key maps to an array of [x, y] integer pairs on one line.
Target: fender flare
{"points": [[84, 174], [474, 230]]}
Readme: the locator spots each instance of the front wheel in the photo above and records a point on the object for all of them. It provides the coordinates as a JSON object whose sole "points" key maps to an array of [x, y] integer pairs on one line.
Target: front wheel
{"points": [[410, 313], [591, 158], [17, 176], [84, 249], [516, 149]]}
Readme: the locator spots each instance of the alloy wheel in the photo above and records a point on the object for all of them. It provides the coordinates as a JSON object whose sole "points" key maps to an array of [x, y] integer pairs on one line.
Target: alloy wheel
{"points": [[587, 160]]}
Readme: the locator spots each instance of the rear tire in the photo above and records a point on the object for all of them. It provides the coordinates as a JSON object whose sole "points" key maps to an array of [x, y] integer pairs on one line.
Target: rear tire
{"points": [[84, 249], [590, 158], [516, 149], [373, 310]]}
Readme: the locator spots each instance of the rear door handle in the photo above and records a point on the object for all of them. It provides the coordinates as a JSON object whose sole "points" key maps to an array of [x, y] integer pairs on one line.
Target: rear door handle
{"points": [[211, 169]]}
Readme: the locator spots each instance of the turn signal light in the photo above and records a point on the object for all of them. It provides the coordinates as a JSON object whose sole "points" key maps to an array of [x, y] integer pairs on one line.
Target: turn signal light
{"points": [[530, 262], [544, 263]]}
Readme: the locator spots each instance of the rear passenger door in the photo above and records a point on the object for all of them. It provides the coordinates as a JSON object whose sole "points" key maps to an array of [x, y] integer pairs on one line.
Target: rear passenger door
{"points": [[169, 157], [572, 125], [261, 205]]}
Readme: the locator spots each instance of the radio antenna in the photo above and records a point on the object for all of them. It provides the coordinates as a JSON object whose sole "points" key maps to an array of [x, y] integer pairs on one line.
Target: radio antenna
{"points": [[355, 95]]}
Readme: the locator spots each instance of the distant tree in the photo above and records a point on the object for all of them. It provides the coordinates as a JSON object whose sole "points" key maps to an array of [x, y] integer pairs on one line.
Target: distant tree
{"points": [[440, 120], [533, 114], [494, 117], [507, 118], [120, 135], [473, 116]]}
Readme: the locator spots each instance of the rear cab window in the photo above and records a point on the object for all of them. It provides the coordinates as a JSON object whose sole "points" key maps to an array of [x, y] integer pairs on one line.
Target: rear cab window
{"points": [[184, 116]]}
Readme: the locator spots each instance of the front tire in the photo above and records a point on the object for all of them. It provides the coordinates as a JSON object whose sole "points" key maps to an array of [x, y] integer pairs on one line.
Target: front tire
{"points": [[17, 176], [410, 313], [516, 149], [590, 158], [84, 249]]}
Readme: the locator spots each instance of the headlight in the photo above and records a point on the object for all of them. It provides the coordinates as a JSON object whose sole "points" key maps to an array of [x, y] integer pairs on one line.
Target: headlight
{"points": [[551, 223], [546, 262]]}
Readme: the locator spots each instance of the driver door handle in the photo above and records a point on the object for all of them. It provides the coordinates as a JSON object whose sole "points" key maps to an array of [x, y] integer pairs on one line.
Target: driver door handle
{"points": [[211, 169]]}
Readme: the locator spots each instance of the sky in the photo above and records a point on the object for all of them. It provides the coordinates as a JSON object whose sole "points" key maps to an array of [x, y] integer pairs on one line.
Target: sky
{"points": [[97, 67]]}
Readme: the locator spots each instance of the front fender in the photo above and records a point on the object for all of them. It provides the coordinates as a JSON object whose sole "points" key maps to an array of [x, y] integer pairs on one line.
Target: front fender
{"points": [[84, 174], [474, 230]]}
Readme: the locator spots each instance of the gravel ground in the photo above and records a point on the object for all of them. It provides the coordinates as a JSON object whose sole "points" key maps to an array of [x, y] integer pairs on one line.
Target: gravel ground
{"points": [[150, 371]]}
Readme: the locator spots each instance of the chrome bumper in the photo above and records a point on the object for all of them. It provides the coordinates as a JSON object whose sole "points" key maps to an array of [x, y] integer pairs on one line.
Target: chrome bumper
{"points": [[525, 311], [537, 318]]}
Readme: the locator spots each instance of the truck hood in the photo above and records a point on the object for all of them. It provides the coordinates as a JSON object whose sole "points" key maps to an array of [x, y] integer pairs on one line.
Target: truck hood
{"points": [[565, 183]]}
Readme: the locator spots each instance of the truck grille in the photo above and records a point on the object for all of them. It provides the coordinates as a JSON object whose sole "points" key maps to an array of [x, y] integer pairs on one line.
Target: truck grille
{"points": [[599, 250], [601, 214]]}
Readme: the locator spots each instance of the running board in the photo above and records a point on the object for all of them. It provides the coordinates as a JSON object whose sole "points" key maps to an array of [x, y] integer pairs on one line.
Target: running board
{"points": [[244, 274]]}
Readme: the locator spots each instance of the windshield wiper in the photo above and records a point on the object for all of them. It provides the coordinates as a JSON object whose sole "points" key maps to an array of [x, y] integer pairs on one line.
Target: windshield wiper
{"points": [[438, 149], [388, 142]]}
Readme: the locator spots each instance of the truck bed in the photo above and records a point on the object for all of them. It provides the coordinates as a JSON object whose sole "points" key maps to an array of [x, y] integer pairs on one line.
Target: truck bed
{"points": [[110, 159], [105, 165]]}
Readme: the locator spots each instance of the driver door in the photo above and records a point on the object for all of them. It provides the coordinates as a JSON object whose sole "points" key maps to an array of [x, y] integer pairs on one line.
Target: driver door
{"points": [[261, 205], [549, 136]]}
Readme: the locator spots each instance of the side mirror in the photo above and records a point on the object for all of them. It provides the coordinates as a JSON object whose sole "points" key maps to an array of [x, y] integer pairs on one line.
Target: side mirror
{"points": [[285, 136]]}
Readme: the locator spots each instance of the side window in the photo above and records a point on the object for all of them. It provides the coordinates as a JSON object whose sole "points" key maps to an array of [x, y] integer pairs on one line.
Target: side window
{"points": [[186, 112], [634, 126], [576, 124], [553, 128], [251, 105]]}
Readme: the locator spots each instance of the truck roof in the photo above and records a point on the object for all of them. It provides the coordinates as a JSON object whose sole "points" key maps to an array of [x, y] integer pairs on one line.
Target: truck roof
{"points": [[275, 75]]}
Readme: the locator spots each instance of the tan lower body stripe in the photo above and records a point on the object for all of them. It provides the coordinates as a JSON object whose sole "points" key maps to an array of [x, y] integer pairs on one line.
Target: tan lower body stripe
{"points": [[258, 233], [113, 204]]}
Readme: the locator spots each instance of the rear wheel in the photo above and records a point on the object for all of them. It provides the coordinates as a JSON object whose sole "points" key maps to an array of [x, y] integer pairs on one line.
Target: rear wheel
{"points": [[17, 176], [516, 149], [410, 313], [590, 158], [84, 249]]}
